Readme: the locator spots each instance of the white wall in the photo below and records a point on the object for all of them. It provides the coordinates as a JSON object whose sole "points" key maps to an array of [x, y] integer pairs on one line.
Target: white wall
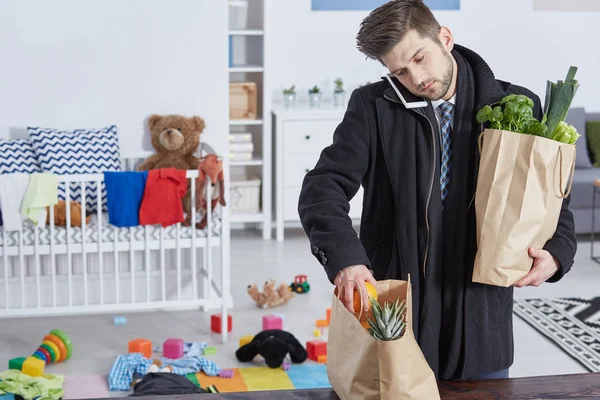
{"points": [[83, 64], [316, 47]]}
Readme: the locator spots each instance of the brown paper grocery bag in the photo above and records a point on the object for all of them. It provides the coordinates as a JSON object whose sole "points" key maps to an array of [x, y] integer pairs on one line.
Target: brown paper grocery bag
{"points": [[360, 367], [521, 184]]}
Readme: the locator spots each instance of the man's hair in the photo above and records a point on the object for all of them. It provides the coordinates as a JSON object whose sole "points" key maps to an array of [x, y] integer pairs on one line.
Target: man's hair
{"points": [[387, 25]]}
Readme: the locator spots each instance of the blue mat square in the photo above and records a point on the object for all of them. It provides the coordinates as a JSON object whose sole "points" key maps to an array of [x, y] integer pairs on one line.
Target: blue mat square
{"points": [[310, 376]]}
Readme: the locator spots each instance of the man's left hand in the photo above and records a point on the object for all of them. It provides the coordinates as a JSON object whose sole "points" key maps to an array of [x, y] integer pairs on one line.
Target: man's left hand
{"points": [[544, 267]]}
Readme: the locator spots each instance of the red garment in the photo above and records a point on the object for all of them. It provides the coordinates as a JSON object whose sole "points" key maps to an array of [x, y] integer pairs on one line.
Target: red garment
{"points": [[162, 197]]}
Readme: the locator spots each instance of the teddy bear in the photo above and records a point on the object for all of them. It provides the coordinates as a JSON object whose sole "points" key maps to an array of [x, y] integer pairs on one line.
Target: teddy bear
{"points": [[60, 214], [274, 345], [271, 296], [176, 139]]}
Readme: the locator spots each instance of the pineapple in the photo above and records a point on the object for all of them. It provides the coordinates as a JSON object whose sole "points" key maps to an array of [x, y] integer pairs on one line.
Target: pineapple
{"points": [[390, 322]]}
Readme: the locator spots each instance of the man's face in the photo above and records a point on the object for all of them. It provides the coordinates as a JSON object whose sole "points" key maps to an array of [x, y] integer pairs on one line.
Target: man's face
{"points": [[423, 66]]}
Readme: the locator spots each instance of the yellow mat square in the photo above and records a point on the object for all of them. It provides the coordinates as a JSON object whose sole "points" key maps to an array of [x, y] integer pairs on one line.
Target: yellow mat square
{"points": [[265, 378]]}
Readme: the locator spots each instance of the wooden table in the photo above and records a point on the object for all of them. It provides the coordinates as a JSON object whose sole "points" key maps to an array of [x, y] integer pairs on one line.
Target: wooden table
{"points": [[578, 386]]}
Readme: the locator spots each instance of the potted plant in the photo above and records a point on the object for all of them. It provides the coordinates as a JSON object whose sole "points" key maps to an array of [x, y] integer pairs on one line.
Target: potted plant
{"points": [[314, 96], [339, 94], [289, 97]]}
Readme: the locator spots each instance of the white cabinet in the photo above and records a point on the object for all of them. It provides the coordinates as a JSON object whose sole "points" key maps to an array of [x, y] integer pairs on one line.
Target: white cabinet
{"points": [[300, 135]]}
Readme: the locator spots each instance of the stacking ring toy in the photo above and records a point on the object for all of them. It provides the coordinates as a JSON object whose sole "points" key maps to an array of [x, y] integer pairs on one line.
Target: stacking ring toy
{"points": [[56, 347]]}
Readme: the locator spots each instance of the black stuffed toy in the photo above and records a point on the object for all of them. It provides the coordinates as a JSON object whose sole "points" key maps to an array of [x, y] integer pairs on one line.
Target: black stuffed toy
{"points": [[273, 345]]}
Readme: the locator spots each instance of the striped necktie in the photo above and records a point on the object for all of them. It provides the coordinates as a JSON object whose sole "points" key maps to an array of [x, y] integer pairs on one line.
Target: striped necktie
{"points": [[446, 109]]}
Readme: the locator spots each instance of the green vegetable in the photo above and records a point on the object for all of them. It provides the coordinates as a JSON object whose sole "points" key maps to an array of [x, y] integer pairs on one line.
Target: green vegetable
{"points": [[515, 112], [558, 100], [517, 116]]}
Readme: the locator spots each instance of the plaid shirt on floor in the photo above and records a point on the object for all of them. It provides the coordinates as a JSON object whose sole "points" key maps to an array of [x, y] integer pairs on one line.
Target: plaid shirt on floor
{"points": [[121, 373], [125, 366]]}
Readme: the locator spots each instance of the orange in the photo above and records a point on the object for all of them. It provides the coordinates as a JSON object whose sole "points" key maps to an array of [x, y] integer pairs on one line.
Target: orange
{"points": [[371, 292]]}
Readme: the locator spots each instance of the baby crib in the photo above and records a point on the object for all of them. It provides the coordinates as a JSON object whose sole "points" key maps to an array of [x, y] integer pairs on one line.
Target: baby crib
{"points": [[100, 268]]}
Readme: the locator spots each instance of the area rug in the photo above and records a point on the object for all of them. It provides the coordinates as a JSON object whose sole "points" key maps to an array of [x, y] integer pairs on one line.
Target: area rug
{"points": [[301, 376], [305, 376], [572, 323]]}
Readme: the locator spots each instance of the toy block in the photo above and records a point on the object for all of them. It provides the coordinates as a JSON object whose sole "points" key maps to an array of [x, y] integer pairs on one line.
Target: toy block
{"points": [[173, 348], [329, 315], [317, 333], [143, 346], [322, 323], [316, 348], [322, 359], [245, 340], [226, 373], [286, 365], [215, 323], [33, 367], [282, 316], [210, 350], [271, 322], [120, 321], [16, 363]]}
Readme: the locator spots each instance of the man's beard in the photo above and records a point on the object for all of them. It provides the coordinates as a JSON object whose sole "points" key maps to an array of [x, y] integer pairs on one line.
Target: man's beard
{"points": [[446, 80]]}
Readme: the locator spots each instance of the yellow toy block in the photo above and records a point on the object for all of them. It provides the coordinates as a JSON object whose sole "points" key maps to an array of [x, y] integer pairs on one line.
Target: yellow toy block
{"points": [[322, 323], [317, 333], [322, 359], [245, 340], [33, 367]]}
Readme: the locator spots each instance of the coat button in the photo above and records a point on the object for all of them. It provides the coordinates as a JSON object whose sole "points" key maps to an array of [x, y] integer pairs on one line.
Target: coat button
{"points": [[315, 249]]}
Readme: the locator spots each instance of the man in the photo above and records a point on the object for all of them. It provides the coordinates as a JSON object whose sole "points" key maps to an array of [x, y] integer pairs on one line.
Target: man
{"points": [[418, 168]]}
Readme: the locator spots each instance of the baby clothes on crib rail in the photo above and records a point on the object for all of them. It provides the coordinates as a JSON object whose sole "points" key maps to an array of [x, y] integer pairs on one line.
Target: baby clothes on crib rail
{"points": [[124, 194], [42, 192], [12, 190], [162, 197]]}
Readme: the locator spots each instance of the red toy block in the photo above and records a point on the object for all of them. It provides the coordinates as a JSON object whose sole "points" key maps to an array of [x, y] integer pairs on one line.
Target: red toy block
{"points": [[143, 346], [272, 322], [316, 348], [173, 348], [215, 323], [329, 315]]}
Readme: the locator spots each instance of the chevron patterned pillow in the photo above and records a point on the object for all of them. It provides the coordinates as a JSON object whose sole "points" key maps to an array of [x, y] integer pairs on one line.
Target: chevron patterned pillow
{"points": [[17, 155], [81, 151]]}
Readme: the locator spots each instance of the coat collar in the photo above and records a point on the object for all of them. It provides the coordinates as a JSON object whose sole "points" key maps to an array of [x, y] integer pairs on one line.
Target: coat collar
{"points": [[487, 89]]}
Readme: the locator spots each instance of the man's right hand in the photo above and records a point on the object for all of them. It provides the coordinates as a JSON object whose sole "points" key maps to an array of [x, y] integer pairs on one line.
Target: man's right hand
{"points": [[360, 274]]}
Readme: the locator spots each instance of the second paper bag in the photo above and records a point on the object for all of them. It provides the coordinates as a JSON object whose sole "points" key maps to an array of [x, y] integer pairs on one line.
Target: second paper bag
{"points": [[360, 367], [521, 184]]}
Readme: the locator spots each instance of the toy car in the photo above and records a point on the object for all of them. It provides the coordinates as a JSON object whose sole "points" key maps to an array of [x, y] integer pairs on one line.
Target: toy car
{"points": [[300, 285]]}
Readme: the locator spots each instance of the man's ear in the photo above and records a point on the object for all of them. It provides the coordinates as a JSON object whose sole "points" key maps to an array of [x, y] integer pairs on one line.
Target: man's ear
{"points": [[446, 38]]}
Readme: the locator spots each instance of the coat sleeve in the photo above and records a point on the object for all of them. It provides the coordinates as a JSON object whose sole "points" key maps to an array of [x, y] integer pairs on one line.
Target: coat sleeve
{"points": [[327, 189], [563, 244]]}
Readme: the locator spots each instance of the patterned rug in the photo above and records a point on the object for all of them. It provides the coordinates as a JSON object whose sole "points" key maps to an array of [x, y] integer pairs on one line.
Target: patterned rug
{"points": [[572, 323], [300, 376], [250, 379]]}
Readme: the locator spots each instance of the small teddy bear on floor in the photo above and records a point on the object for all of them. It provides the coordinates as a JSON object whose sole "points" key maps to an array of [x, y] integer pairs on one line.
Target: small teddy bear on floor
{"points": [[271, 296]]}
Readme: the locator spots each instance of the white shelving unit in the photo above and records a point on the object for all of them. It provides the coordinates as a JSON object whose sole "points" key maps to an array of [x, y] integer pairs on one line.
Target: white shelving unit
{"points": [[247, 35]]}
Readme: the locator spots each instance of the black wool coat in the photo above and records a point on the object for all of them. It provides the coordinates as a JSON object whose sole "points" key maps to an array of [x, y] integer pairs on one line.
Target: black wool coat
{"points": [[463, 328]]}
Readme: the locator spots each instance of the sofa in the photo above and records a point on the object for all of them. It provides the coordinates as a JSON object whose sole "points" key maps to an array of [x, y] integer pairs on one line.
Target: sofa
{"points": [[587, 169]]}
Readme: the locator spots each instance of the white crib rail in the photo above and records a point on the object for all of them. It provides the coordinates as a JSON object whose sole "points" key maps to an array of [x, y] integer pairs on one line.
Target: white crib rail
{"points": [[87, 285]]}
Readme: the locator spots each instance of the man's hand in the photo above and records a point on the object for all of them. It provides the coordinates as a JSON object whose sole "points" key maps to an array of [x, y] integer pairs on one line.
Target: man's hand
{"points": [[544, 267], [360, 274]]}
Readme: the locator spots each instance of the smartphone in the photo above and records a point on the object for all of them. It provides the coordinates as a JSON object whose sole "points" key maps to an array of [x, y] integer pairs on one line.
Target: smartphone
{"points": [[408, 99]]}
